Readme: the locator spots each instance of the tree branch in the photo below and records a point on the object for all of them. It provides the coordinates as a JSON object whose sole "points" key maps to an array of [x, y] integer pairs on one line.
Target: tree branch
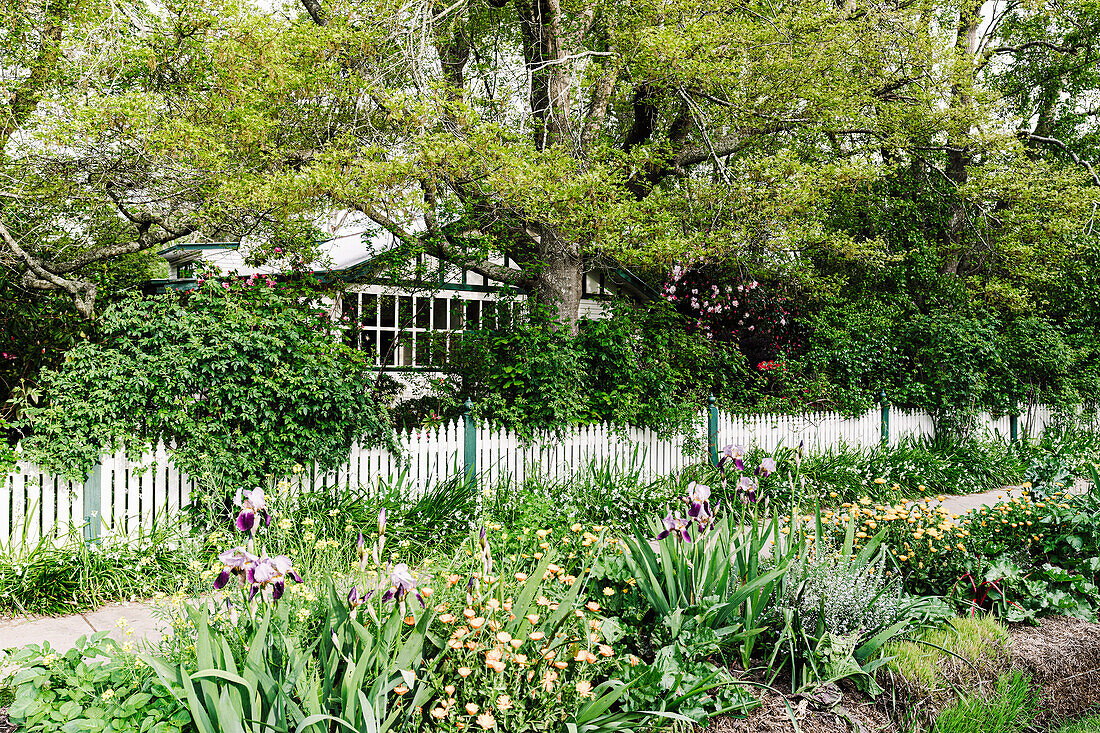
{"points": [[1065, 148], [1072, 50], [39, 277], [313, 7]]}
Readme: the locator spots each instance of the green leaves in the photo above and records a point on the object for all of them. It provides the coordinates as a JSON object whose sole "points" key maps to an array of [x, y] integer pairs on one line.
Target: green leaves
{"points": [[94, 687], [241, 384]]}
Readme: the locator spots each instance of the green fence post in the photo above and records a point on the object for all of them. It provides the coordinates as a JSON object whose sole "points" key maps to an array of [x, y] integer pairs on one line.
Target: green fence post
{"points": [[712, 430], [1013, 425], [884, 427], [469, 457], [93, 493]]}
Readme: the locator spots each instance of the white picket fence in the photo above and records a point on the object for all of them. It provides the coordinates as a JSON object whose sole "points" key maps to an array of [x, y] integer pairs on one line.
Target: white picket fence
{"points": [[820, 430], [123, 497]]}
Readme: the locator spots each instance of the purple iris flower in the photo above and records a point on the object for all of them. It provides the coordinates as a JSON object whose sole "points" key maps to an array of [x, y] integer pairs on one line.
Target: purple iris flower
{"points": [[733, 452], [767, 467], [402, 583], [698, 499], [251, 503], [237, 561], [357, 598], [746, 487], [361, 551], [675, 524], [486, 554], [273, 571]]}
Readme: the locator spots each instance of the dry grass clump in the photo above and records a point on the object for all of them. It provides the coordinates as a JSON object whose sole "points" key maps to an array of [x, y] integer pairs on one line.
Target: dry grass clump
{"points": [[1062, 656]]}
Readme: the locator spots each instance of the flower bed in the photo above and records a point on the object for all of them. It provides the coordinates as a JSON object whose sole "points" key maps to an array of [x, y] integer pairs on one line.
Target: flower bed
{"points": [[681, 617]]}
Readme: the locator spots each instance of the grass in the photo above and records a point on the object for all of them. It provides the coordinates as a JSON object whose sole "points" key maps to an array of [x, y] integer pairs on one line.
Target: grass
{"points": [[1009, 709], [54, 576], [1086, 725], [969, 637]]}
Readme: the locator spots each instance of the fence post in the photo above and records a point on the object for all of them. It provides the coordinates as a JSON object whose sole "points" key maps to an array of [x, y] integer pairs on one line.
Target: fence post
{"points": [[1013, 425], [469, 443], [93, 495], [712, 430], [884, 426]]}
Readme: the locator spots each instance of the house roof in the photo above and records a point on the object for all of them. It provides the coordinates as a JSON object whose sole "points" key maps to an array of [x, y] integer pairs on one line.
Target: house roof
{"points": [[352, 258]]}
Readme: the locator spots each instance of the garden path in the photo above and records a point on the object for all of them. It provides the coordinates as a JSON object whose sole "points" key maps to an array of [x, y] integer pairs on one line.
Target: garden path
{"points": [[134, 622]]}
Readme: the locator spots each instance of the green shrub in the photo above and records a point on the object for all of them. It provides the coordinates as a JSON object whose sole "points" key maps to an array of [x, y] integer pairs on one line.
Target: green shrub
{"points": [[95, 686], [242, 382]]}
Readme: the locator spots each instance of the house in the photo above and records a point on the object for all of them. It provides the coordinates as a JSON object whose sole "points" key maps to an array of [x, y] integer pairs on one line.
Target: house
{"points": [[407, 314]]}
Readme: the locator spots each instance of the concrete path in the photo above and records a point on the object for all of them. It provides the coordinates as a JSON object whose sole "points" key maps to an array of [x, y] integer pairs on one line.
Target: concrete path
{"points": [[126, 622], [963, 503]]}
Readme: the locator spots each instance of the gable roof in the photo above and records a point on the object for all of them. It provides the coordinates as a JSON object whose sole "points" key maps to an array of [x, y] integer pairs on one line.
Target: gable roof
{"points": [[353, 261]]}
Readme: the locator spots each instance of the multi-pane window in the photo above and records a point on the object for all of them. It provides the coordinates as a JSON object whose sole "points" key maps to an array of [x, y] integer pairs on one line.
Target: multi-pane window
{"points": [[405, 330]]}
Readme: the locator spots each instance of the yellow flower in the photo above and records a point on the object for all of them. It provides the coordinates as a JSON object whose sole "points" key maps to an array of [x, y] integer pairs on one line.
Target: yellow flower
{"points": [[592, 606], [584, 688], [880, 481], [504, 703], [449, 689], [542, 533], [533, 618], [503, 637], [401, 689], [576, 527], [609, 591], [538, 636], [464, 672], [486, 721], [472, 708], [439, 713]]}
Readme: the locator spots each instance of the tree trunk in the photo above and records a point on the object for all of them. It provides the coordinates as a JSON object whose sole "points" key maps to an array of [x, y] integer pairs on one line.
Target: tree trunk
{"points": [[557, 270], [958, 156]]}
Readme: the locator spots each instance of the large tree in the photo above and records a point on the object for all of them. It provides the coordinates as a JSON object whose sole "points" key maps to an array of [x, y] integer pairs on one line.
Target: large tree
{"points": [[557, 130]]}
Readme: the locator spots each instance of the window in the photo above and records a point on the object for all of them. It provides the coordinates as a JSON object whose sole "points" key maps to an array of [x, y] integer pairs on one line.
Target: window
{"points": [[456, 314], [424, 313], [440, 314], [417, 330]]}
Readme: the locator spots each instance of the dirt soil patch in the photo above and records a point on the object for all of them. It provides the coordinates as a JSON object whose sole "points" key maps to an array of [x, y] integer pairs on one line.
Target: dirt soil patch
{"points": [[829, 710]]}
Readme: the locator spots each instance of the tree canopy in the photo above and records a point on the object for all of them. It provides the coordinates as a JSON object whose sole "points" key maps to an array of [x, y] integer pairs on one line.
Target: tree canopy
{"points": [[553, 131]]}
